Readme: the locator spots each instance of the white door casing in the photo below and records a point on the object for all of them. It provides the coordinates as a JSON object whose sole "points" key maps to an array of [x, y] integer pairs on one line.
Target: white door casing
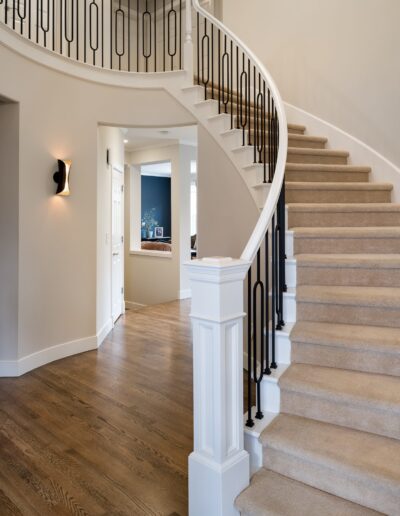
{"points": [[117, 243]]}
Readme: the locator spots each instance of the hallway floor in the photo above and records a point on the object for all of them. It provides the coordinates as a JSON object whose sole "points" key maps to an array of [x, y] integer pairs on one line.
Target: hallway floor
{"points": [[106, 432]]}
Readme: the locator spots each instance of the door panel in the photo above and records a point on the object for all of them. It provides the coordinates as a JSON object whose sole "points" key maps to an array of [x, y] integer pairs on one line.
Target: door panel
{"points": [[117, 233]]}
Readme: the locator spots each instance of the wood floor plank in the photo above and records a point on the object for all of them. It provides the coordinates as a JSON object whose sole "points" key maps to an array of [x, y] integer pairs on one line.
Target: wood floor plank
{"points": [[104, 432]]}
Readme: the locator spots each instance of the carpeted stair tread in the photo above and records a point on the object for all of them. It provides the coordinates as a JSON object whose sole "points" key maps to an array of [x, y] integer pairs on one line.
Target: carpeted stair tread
{"points": [[343, 207], [317, 185], [348, 232], [325, 168], [358, 466], [369, 349], [271, 494], [385, 297], [379, 392], [376, 261], [376, 338]]}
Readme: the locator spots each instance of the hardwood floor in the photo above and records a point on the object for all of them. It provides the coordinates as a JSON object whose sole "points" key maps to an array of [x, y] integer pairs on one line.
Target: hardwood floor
{"points": [[106, 432]]}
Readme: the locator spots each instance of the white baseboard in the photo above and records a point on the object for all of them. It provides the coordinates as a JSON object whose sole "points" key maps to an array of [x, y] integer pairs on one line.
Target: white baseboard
{"points": [[12, 368], [130, 305], [185, 294]]}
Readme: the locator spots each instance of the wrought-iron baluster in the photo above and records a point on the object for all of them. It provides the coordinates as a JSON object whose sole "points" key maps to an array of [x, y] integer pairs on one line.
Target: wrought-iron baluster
{"points": [[249, 421]]}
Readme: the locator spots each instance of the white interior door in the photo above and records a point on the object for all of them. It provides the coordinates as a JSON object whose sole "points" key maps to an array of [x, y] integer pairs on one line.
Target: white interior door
{"points": [[117, 239]]}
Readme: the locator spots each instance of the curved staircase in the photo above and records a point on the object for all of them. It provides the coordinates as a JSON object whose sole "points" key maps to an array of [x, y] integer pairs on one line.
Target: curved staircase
{"points": [[335, 446]]}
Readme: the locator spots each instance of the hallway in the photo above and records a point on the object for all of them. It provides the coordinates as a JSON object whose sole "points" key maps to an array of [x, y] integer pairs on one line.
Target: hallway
{"points": [[105, 432]]}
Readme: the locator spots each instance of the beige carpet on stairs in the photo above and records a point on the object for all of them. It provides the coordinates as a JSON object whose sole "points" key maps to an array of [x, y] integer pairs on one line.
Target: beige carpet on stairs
{"points": [[335, 447]]}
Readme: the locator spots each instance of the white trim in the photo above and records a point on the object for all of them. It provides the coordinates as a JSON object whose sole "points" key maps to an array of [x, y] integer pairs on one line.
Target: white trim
{"points": [[12, 368], [104, 331], [383, 170], [154, 254], [131, 305], [85, 71], [185, 294]]}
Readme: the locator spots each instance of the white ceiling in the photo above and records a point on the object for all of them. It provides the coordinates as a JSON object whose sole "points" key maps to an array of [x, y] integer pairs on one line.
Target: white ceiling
{"points": [[139, 138]]}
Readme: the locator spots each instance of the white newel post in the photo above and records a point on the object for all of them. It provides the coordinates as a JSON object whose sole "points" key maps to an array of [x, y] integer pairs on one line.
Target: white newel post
{"points": [[219, 465], [188, 45]]}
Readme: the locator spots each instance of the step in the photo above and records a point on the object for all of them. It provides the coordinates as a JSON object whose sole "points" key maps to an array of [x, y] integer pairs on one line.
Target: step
{"points": [[371, 349], [272, 494], [292, 128], [234, 137], [343, 214], [346, 240], [371, 306], [357, 466], [296, 155], [317, 192], [320, 156], [363, 401], [326, 173], [362, 270]]}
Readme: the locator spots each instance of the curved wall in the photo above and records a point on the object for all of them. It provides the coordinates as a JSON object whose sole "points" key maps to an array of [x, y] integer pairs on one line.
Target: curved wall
{"points": [[61, 240], [335, 59]]}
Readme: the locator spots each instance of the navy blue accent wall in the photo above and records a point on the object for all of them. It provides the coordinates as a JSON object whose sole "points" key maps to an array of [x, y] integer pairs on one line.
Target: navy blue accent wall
{"points": [[156, 193]]}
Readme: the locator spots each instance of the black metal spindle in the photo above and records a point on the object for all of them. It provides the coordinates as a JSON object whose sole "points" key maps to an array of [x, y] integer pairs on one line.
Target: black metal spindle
{"points": [[198, 49], [267, 369], [249, 422], [219, 71], [257, 378], [273, 294]]}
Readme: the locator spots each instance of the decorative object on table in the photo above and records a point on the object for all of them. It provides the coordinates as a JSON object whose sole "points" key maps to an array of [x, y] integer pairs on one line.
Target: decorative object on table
{"points": [[158, 232], [149, 222], [143, 231]]}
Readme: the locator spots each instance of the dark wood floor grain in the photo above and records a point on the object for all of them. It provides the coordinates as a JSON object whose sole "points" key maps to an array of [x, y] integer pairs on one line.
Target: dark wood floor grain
{"points": [[106, 432]]}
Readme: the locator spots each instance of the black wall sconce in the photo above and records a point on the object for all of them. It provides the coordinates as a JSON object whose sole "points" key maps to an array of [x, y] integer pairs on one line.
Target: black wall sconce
{"points": [[61, 177]]}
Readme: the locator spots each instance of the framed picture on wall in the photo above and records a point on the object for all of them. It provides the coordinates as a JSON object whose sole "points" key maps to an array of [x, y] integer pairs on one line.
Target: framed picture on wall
{"points": [[158, 232]]}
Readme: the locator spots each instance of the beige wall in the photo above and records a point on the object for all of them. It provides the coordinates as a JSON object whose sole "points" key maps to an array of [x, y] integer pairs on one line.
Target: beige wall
{"points": [[59, 117], [336, 59], [9, 204], [158, 279], [227, 213]]}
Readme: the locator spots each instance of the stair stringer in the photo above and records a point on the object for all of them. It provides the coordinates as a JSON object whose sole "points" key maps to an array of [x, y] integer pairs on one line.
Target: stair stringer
{"points": [[206, 113]]}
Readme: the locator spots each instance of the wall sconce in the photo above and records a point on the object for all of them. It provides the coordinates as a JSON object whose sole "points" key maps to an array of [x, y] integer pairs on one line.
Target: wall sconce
{"points": [[61, 177]]}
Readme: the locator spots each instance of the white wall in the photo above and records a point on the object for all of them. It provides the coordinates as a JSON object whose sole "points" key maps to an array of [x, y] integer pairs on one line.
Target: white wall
{"points": [[227, 213], [9, 205], [59, 118], [158, 279], [336, 59]]}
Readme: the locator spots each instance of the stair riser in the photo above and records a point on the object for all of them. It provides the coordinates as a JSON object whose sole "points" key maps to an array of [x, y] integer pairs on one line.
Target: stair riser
{"points": [[316, 219], [352, 414], [348, 276], [348, 314], [336, 196], [326, 177], [347, 358], [346, 245], [331, 480], [327, 159]]}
